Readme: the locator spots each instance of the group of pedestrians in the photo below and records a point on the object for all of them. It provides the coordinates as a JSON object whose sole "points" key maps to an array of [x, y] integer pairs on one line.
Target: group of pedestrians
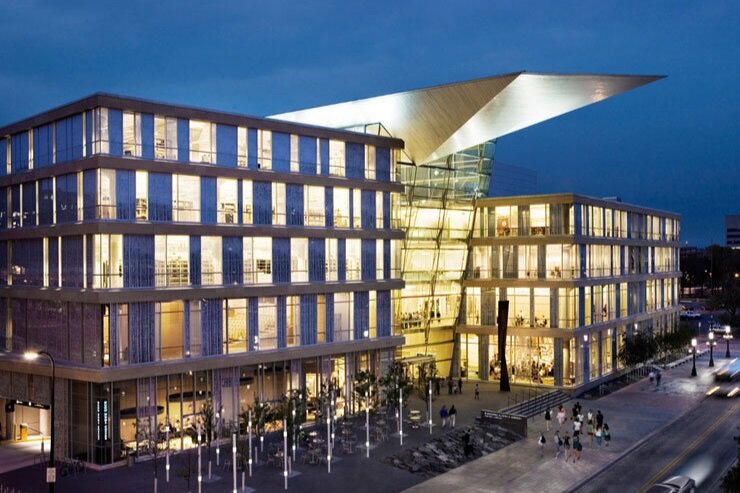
{"points": [[448, 416], [596, 429]]}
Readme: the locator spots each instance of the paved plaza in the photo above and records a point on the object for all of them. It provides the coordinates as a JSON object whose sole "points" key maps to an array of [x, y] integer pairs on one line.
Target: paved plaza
{"points": [[633, 413]]}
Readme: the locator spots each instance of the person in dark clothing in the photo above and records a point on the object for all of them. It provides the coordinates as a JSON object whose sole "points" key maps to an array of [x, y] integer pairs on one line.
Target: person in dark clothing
{"points": [[452, 416], [657, 379], [467, 447], [437, 385], [459, 385], [449, 385], [599, 419]]}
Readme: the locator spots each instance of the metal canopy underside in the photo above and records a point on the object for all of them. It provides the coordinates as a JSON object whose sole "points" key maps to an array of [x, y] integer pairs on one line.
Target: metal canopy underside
{"points": [[438, 121]]}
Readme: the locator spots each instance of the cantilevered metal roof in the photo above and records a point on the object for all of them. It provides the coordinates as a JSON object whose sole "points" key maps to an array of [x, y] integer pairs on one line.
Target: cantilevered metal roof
{"points": [[437, 121]]}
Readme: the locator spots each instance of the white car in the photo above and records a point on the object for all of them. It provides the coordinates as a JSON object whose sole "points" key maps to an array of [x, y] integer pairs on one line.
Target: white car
{"points": [[676, 484]]}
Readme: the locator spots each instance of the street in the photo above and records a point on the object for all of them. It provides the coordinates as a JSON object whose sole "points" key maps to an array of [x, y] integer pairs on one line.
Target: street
{"points": [[699, 445]]}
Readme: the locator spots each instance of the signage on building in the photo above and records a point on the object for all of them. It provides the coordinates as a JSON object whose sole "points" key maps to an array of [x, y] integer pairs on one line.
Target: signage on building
{"points": [[101, 420], [513, 422]]}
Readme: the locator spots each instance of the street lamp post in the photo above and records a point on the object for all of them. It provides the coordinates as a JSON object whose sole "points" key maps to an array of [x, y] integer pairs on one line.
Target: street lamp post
{"points": [[51, 471], [693, 351], [711, 343], [727, 336]]}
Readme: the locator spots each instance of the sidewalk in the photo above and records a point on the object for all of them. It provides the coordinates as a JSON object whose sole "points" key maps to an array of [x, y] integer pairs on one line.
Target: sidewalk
{"points": [[633, 413]]}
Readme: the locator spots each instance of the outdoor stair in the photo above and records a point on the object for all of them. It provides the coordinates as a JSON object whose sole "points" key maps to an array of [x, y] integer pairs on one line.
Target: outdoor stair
{"points": [[537, 405]]}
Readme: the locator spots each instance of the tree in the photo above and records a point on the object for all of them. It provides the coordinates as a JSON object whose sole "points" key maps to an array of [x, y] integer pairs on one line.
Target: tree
{"points": [[392, 381], [365, 381], [186, 466], [149, 440], [638, 349], [208, 416], [262, 414], [726, 299], [295, 400], [427, 375]]}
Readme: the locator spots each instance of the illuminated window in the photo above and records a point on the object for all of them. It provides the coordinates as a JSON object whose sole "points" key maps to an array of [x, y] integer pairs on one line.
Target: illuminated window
{"points": [[211, 260], [101, 144], [538, 220], [142, 195], [171, 260], [264, 149], [235, 326], [313, 198], [267, 330], [353, 247], [247, 201], [356, 208], [370, 162], [165, 138], [341, 207], [131, 134], [299, 259], [379, 210], [169, 330], [506, 220], [278, 203], [293, 321], [202, 142], [379, 271], [336, 158], [294, 154], [185, 198], [257, 260], [241, 149], [331, 259], [108, 261], [227, 200], [106, 194]]}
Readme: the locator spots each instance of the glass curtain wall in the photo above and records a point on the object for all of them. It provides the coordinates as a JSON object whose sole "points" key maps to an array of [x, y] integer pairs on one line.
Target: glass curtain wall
{"points": [[436, 211]]}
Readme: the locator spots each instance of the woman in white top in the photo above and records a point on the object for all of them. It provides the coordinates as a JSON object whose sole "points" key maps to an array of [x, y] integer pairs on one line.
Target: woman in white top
{"points": [[561, 417]]}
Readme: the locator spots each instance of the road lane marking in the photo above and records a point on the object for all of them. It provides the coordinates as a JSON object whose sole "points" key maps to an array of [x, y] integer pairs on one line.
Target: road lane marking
{"points": [[688, 449]]}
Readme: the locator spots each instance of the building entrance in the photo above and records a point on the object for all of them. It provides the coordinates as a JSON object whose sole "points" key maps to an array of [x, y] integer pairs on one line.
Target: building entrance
{"points": [[23, 421]]}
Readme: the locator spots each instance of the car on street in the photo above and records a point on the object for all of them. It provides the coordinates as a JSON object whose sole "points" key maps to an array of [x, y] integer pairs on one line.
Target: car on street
{"points": [[690, 314], [676, 484]]}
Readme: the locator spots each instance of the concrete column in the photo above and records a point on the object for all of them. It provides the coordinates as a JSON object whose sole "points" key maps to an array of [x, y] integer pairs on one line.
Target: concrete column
{"points": [[586, 364], [483, 356], [614, 348], [557, 363]]}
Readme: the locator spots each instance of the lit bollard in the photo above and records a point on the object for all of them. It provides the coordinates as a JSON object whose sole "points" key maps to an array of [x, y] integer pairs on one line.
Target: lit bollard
{"points": [[285, 452], [233, 458], [250, 443], [200, 474]]}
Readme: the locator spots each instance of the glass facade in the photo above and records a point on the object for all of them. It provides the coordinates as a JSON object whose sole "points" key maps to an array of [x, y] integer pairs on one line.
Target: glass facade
{"points": [[188, 238], [436, 212], [578, 274]]}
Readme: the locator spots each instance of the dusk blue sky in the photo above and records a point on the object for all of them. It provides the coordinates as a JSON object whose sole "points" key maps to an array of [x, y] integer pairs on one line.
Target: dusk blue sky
{"points": [[674, 144]]}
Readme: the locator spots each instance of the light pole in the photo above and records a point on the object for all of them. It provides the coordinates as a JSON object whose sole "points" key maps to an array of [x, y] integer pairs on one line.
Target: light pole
{"points": [[711, 343], [727, 336], [693, 351], [430, 407], [51, 471]]}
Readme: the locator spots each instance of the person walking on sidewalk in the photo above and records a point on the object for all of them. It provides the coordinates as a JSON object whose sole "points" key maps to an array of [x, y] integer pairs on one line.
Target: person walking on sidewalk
{"points": [[556, 442], [590, 429], [657, 379], [599, 419], [599, 433], [548, 418], [437, 386], [589, 415], [443, 414], [577, 447], [607, 435], [576, 427], [453, 415], [560, 417], [449, 385], [566, 445], [459, 385], [541, 442], [652, 376], [477, 392]]}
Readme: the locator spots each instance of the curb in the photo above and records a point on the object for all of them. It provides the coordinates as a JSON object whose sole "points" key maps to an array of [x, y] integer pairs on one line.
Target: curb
{"points": [[634, 446]]}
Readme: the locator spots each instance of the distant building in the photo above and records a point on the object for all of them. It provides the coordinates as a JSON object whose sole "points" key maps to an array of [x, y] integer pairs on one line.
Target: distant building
{"points": [[732, 230]]}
